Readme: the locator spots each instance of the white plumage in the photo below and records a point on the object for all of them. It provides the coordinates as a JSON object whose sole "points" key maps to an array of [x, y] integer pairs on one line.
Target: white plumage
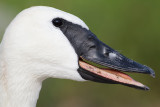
{"points": [[32, 50], [43, 42]]}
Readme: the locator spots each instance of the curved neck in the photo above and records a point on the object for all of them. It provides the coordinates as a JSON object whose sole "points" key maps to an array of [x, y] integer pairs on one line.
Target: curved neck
{"points": [[18, 89]]}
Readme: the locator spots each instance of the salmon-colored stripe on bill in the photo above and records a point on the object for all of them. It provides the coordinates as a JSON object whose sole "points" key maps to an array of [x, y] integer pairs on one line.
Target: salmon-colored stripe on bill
{"points": [[111, 74]]}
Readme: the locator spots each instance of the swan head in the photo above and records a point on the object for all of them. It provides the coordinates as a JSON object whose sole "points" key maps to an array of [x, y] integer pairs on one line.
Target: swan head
{"points": [[51, 43]]}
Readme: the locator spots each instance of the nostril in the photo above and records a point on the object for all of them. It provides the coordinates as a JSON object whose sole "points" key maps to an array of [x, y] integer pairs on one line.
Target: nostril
{"points": [[106, 54], [92, 47]]}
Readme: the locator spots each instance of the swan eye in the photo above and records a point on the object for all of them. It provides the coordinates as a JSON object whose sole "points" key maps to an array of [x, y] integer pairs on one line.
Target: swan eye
{"points": [[57, 22]]}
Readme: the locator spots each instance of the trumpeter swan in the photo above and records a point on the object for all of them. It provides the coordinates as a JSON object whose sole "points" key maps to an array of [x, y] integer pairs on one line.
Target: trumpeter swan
{"points": [[43, 42]]}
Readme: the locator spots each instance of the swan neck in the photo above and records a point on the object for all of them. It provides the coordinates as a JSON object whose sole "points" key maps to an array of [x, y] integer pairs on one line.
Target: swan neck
{"points": [[18, 90]]}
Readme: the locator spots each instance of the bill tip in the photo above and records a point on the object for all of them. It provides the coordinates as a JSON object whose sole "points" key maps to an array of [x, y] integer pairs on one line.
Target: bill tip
{"points": [[146, 88], [153, 75]]}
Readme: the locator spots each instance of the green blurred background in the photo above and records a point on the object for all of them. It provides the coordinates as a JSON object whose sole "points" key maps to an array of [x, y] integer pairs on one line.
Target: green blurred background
{"points": [[130, 26]]}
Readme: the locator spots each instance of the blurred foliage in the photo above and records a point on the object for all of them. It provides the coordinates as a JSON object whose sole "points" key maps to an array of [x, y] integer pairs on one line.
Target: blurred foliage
{"points": [[130, 26]]}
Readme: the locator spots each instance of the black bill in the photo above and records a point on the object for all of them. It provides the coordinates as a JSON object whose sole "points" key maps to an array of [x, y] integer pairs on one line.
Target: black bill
{"points": [[99, 62]]}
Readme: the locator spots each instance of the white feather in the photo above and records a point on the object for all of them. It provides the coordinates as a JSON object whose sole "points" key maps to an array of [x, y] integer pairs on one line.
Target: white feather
{"points": [[32, 50]]}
